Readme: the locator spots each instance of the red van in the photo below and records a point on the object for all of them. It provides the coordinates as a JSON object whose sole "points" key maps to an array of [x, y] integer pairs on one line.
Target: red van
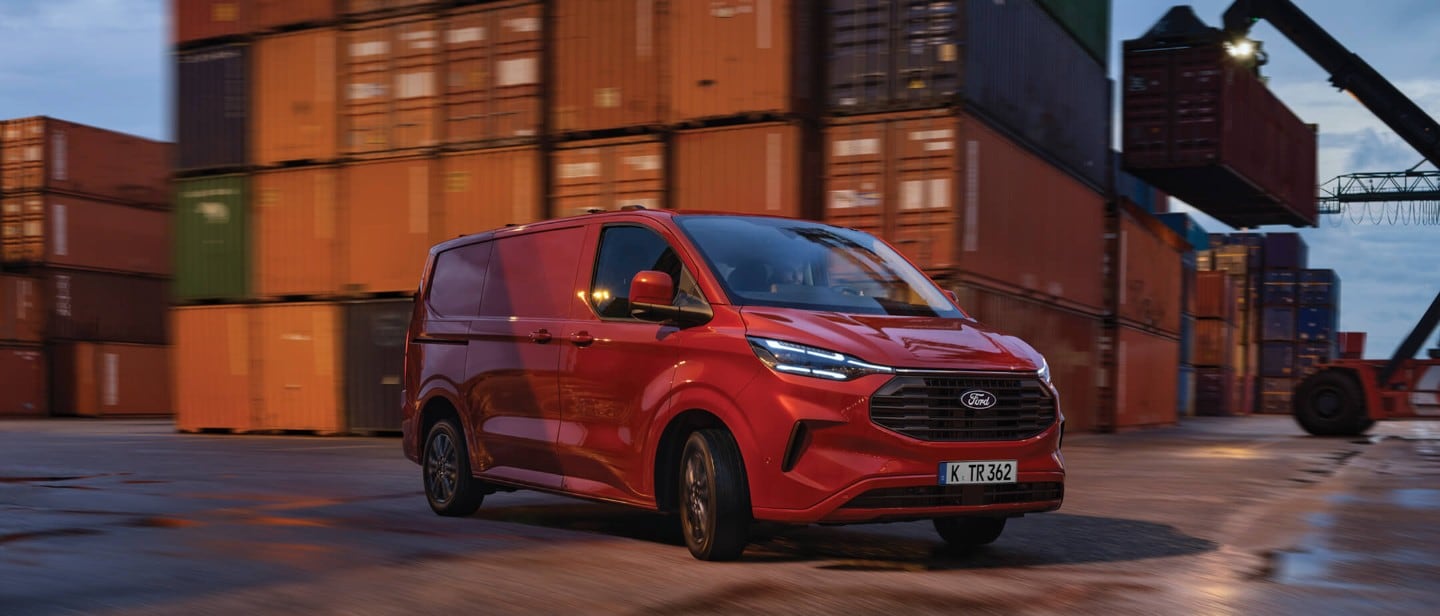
{"points": [[726, 368]]}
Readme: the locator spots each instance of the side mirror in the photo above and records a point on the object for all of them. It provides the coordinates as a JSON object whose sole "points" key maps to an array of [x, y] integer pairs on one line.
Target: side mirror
{"points": [[651, 294]]}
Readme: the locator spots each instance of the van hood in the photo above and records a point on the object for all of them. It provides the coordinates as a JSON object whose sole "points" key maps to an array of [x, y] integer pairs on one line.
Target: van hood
{"points": [[896, 341]]}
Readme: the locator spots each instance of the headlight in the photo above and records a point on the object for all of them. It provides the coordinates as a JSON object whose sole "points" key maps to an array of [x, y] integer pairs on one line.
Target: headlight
{"points": [[792, 358], [1044, 370]]}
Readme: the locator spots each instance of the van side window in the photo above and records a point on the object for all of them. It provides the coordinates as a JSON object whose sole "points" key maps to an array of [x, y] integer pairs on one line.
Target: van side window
{"points": [[458, 281], [533, 275], [629, 250]]}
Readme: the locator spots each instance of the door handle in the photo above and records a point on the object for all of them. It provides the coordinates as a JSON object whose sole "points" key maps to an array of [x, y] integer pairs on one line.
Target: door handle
{"points": [[541, 337], [581, 339]]}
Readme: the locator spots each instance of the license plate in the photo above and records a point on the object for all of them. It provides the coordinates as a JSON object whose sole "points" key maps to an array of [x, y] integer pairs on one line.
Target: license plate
{"points": [[980, 471]]}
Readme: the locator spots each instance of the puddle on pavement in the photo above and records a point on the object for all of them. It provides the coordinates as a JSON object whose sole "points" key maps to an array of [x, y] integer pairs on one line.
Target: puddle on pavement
{"points": [[1416, 498], [163, 522]]}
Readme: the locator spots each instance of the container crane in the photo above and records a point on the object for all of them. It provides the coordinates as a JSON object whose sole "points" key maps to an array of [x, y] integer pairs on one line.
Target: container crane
{"points": [[1347, 396]]}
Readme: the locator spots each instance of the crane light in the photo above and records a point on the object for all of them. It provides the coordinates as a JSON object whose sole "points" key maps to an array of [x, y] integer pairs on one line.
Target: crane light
{"points": [[1241, 49]]}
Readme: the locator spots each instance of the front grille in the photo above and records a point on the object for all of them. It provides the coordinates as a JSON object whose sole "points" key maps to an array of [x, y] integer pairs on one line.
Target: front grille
{"points": [[956, 496], [928, 408]]}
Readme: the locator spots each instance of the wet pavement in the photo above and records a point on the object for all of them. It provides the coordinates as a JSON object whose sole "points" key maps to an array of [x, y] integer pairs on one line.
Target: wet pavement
{"points": [[1217, 516]]}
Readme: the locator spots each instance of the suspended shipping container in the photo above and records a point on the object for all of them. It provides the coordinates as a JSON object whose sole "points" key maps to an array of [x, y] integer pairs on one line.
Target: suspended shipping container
{"points": [[295, 87], [198, 20], [392, 97], [299, 356], [45, 154], [22, 314], [90, 306], [212, 251], [108, 380], [608, 174], [23, 391], [374, 363], [607, 65], [488, 189], [213, 384], [296, 247], [1147, 378], [213, 108], [292, 14], [389, 222], [749, 169], [61, 230], [493, 66], [735, 57]]}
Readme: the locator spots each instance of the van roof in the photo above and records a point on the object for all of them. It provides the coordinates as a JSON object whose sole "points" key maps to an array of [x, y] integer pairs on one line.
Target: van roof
{"points": [[601, 215]]}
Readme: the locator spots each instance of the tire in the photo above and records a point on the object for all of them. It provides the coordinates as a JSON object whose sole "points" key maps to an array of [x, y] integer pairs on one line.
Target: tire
{"points": [[714, 496], [1331, 403], [969, 532], [445, 470]]}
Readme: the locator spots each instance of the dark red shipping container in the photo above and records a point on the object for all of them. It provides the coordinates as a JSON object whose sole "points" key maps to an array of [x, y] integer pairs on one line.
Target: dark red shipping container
{"points": [[103, 307], [1215, 392], [43, 153], [22, 381], [21, 316], [213, 122], [198, 20], [1352, 345], [271, 14], [374, 350], [1147, 378], [1214, 296], [60, 230], [1205, 129]]}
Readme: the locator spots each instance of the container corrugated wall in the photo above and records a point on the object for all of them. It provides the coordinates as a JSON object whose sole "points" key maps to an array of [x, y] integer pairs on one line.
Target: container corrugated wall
{"points": [[108, 380], [608, 174], [22, 381], [270, 14], [296, 114], [1149, 278], [370, 8], [106, 307], [300, 360], [1147, 376], [22, 311], [196, 20], [213, 96], [296, 245], [488, 189], [389, 224], [750, 169], [493, 64], [68, 231], [42, 154], [736, 57], [857, 175], [374, 362], [391, 85], [212, 238], [607, 64], [214, 380]]}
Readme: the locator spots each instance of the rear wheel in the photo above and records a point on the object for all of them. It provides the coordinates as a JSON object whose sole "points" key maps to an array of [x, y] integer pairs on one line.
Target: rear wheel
{"points": [[449, 487], [969, 532], [1332, 403], [714, 496]]}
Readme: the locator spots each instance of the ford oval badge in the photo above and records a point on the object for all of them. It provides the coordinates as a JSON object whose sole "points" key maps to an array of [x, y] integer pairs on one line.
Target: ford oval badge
{"points": [[977, 399]]}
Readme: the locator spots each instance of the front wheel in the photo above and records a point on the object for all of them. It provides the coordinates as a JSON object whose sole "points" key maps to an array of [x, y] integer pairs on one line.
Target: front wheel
{"points": [[714, 496], [969, 532], [449, 487], [1331, 403]]}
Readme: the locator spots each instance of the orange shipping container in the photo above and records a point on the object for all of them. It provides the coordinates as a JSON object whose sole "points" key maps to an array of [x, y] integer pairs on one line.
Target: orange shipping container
{"points": [[608, 174], [1214, 343], [364, 7], [1214, 296], [492, 62], [1147, 379], [1150, 278], [43, 154], [69, 231], [959, 198], [388, 223], [295, 243], [1069, 341], [732, 57], [195, 20], [213, 381], [391, 101], [752, 169], [607, 64], [105, 380], [21, 316], [295, 109], [270, 14], [300, 372], [488, 189], [22, 381]]}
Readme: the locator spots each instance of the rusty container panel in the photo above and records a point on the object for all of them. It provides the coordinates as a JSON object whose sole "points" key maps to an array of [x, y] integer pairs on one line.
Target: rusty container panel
{"points": [[214, 382], [354, 8], [23, 386], [1214, 296], [607, 174], [1148, 379], [751, 169], [493, 70], [733, 57], [66, 231], [272, 14], [1068, 340], [388, 228], [108, 380], [1214, 340], [488, 189], [607, 64], [856, 174], [1150, 277], [299, 355], [22, 315], [375, 363], [213, 124], [295, 97], [43, 154], [198, 20], [391, 99], [104, 307], [296, 245]]}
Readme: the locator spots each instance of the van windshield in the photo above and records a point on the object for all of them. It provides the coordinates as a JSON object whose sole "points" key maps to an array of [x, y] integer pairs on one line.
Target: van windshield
{"points": [[807, 265]]}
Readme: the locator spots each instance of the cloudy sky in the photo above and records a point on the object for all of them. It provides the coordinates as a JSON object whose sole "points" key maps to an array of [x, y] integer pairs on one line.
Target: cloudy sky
{"points": [[105, 62]]}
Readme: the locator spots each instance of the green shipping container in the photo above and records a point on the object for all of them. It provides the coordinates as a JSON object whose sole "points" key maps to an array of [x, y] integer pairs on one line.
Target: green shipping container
{"points": [[212, 238], [1086, 20]]}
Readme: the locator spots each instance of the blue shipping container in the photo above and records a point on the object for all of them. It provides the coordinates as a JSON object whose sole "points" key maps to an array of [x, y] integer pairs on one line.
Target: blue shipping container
{"points": [[1323, 350], [1285, 251], [1277, 323], [1277, 294], [1319, 288], [1274, 385], [1316, 323], [1187, 338], [1277, 359], [1326, 276], [1186, 391], [1279, 277], [1186, 226]]}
